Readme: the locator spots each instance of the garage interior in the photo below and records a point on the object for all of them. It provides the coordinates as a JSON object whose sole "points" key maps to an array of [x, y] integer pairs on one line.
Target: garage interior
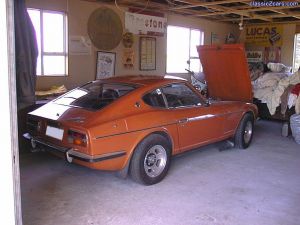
{"points": [[215, 184], [205, 186]]}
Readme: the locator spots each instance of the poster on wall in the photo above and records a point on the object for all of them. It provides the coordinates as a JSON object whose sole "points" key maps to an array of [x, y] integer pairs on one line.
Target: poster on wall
{"points": [[214, 38], [105, 64], [272, 54], [80, 45], [144, 24], [147, 53], [254, 56], [128, 58], [264, 35]]}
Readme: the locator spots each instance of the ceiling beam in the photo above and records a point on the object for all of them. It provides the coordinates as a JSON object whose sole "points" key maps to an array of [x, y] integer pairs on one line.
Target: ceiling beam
{"points": [[233, 19], [278, 11], [240, 13], [286, 13], [277, 22], [270, 17], [295, 15], [192, 4], [223, 9], [217, 10], [235, 10], [154, 7]]}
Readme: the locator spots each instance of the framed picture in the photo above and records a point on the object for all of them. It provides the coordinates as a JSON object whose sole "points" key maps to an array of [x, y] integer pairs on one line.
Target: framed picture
{"points": [[272, 54], [214, 38], [254, 56], [147, 53], [105, 66]]}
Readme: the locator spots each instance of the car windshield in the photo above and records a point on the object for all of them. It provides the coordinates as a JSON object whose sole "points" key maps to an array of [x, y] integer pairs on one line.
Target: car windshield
{"points": [[95, 95]]}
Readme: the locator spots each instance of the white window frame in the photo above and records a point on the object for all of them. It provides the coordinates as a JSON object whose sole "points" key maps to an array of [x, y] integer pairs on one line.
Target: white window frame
{"points": [[65, 43], [190, 57], [297, 35]]}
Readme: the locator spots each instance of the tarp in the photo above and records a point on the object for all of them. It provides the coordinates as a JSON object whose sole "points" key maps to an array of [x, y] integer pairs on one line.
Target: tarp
{"points": [[26, 55]]}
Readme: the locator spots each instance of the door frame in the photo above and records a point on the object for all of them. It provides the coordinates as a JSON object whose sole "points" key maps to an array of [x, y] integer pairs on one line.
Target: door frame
{"points": [[10, 195]]}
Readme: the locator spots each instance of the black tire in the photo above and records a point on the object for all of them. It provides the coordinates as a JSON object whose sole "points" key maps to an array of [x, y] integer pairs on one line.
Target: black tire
{"points": [[151, 160], [244, 132]]}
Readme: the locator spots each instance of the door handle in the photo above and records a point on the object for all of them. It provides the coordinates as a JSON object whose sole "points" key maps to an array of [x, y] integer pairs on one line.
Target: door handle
{"points": [[181, 121]]}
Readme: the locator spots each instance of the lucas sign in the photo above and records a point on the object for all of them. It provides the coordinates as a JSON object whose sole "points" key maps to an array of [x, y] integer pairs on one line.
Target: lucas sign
{"points": [[264, 35], [145, 24]]}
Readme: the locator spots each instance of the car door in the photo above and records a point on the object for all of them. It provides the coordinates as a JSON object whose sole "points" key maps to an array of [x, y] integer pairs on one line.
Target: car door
{"points": [[197, 123]]}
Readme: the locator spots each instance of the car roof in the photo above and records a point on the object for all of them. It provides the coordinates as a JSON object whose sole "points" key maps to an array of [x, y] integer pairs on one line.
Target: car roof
{"points": [[144, 80]]}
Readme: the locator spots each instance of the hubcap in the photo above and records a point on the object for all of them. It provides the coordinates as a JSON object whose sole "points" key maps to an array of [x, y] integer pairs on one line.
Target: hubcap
{"points": [[248, 132], [155, 161]]}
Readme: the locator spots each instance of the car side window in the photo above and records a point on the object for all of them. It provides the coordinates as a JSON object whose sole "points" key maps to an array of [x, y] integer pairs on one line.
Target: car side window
{"points": [[155, 99], [180, 95]]}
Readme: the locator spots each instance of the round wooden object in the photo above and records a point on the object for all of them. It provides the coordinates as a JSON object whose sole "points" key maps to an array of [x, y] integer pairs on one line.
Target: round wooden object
{"points": [[105, 28]]}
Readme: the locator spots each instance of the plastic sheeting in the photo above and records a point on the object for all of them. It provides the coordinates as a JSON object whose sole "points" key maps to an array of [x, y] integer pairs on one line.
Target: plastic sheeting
{"points": [[295, 127]]}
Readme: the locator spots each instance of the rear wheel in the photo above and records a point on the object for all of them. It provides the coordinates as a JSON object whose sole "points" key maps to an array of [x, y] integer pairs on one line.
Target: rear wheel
{"points": [[244, 133], [151, 160]]}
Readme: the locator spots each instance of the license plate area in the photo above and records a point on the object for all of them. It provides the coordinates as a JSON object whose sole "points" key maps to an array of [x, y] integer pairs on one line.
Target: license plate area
{"points": [[55, 132]]}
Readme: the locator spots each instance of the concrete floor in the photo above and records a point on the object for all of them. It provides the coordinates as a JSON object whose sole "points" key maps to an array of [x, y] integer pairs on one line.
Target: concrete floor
{"points": [[258, 186]]}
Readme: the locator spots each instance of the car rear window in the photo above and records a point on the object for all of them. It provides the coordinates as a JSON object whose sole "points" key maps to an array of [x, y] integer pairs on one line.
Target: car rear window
{"points": [[95, 95]]}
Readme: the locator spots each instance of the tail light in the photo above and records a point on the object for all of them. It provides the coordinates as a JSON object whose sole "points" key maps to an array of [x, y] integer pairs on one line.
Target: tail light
{"points": [[34, 125], [77, 138]]}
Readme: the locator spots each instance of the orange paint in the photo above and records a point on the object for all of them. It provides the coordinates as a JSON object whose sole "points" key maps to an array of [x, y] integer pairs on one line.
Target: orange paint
{"points": [[123, 124]]}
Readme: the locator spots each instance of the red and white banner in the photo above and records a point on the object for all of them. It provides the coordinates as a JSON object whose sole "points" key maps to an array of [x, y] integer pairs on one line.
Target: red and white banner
{"points": [[145, 24]]}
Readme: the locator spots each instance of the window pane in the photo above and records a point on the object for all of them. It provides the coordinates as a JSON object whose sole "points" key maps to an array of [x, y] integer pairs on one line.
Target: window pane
{"points": [[179, 95], [195, 65], [195, 41], [36, 21], [154, 99], [54, 65], [177, 49], [39, 65], [297, 53], [53, 32]]}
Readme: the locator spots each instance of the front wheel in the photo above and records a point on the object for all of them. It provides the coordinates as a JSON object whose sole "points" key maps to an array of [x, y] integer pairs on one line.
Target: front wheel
{"points": [[151, 160], [244, 132]]}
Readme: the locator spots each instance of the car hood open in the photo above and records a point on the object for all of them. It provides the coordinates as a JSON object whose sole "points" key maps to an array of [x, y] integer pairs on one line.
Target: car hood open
{"points": [[226, 72]]}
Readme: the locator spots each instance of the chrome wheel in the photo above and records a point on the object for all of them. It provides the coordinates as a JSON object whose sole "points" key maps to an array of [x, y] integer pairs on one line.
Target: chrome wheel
{"points": [[151, 160], [155, 161], [248, 132]]}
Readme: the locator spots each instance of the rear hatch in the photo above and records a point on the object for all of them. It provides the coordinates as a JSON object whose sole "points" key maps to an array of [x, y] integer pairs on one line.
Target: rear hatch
{"points": [[226, 72], [72, 112], [81, 103]]}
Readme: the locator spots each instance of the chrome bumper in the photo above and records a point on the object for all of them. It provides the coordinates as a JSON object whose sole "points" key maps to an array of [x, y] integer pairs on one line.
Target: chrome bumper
{"points": [[89, 158], [70, 153]]}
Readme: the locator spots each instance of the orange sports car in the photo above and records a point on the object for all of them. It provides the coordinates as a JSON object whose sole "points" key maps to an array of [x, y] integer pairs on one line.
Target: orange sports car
{"points": [[134, 124]]}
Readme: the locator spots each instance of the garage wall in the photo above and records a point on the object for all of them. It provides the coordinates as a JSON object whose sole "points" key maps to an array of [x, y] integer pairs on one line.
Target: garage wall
{"points": [[287, 48], [208, 27], [82, 68], [221, 29]]}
